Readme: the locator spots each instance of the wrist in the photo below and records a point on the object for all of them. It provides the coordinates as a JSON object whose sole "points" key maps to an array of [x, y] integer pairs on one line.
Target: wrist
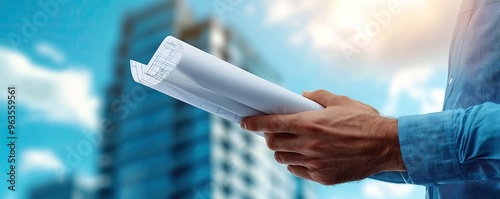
{"points": [[392, 160]]}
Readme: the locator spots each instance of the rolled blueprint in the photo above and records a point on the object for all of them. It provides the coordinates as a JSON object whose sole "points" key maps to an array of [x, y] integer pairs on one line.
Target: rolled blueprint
{"points": [[188, 74]]}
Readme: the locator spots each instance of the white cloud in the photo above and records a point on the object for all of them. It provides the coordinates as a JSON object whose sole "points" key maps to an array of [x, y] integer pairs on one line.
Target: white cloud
{"points": [[377, 189], [50, 95], [87, 181], [328, 28], [279, 10], [39, 159], [414, 83], [48, 50]]}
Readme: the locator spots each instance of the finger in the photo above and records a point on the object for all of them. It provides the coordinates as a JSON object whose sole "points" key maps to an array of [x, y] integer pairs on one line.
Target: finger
{"points": [[267, 123], [284, 142], [323, 97], [290, 158], [299, 171]]}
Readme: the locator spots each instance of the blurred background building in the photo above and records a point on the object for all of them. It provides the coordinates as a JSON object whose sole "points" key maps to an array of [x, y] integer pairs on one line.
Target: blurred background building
{"points": [[68, 187], [53, 190], [159, 147]]}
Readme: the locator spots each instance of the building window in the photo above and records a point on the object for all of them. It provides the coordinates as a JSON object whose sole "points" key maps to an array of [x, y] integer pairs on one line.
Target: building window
{"points": [[227, 189], [227, 124], [182, 170], [226, 144], [247, 137], [247, 157], [250, 197], [248, 179], [227, 167]]}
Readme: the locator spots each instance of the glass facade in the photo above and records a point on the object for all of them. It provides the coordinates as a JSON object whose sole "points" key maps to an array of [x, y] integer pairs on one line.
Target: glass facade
{"points": [[53, 190], [68, 187]]}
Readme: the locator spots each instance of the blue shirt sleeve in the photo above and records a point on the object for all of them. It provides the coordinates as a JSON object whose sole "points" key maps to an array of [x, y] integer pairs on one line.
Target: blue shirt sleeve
{"points": [[449, 146]]}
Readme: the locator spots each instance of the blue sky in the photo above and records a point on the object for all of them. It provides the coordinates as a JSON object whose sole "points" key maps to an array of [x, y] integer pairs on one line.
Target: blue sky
{"points": [[397, 64]]}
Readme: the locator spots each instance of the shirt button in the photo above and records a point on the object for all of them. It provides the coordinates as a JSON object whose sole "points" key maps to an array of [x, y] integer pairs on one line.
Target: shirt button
{"points": [[450, 81]]}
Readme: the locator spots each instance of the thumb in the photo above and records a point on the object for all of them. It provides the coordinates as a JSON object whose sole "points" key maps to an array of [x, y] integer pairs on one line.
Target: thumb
{"points": [[320, 96]]}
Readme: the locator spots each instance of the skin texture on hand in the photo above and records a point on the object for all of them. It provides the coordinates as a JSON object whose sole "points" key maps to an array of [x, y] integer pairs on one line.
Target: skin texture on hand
{"points": [[347, 141]]}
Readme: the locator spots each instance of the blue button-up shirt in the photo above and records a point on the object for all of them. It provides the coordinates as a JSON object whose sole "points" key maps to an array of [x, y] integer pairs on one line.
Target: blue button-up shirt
{"points": [[456, 152]]}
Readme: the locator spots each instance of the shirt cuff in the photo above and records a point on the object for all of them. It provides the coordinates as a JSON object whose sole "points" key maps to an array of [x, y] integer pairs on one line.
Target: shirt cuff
{"points": [[392, 176], [429, 149]]}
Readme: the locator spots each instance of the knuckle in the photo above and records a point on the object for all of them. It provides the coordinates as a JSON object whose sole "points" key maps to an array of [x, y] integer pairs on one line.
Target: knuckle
{"points": [[314, 164], [304, 125], [271, 143], [277, 157], [273, 123], [368, 107], [321, 91], [295, 123], [320, 177], [294, 170], [327, 182], [250, 125], [308, 126], [295, 119], [314, 147], [343, 98]]}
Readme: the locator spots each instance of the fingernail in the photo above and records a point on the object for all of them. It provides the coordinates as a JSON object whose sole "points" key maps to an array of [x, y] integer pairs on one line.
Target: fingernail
{"points": [[305, 92], [243, 126]]}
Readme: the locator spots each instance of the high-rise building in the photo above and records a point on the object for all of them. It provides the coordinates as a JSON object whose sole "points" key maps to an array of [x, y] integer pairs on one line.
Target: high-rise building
{"points": [[53, 190], [159, 147], [76, 187]]}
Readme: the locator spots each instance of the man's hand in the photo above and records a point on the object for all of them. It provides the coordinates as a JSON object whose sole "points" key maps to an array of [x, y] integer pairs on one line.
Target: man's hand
{"points": [[346, 141]]}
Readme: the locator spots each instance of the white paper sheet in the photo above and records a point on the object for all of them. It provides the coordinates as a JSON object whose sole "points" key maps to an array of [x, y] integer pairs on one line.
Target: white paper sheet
{"points": [[188, 74]]}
